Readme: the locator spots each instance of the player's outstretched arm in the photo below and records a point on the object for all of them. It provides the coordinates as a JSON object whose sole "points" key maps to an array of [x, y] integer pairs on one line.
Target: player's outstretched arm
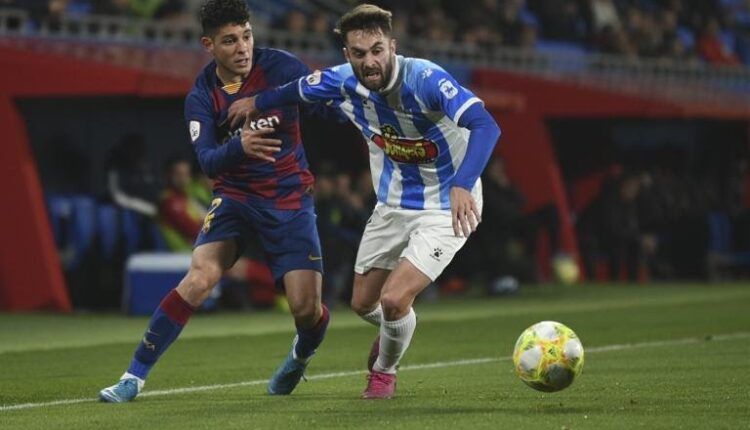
{"points": [[286, 94], [320, 86]]}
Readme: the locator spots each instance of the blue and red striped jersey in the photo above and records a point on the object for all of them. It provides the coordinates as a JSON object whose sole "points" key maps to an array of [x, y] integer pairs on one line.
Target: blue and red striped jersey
{"points": [[285, 184]]}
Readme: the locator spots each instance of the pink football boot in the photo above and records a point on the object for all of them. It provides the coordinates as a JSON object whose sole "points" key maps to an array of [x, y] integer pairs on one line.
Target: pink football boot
{"points": [[380, 385]]}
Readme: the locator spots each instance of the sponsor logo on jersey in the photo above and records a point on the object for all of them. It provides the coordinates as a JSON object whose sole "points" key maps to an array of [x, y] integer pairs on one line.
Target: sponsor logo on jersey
{"points": [[447, 88], [256, 124], [269, 121], [403, 149]]}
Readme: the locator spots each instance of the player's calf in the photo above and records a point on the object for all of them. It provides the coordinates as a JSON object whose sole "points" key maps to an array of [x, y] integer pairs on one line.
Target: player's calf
{"points": [[374, 352], [287, 376]]}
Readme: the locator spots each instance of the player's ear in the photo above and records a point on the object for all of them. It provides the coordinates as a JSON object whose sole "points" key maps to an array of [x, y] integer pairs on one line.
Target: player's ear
{"points": [[393, 45], [346, 53], [207, 43]]}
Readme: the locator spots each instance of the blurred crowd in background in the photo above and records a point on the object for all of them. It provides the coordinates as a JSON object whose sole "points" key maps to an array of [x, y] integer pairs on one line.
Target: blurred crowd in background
{"points": [[648, 222], [662, 223], [652, 221], [712, 31]]}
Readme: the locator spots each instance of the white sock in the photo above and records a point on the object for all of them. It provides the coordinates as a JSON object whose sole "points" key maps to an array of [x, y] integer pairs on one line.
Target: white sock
{"points": [[141, 382], [395, 337], [374, 317]]}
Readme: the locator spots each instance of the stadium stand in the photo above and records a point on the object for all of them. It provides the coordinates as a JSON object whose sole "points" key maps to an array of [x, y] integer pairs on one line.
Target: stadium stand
{"points": [[616, 60]]}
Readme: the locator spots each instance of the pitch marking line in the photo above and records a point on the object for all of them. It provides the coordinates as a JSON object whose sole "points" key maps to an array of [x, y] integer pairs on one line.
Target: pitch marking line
{"points": [[436, 365]]}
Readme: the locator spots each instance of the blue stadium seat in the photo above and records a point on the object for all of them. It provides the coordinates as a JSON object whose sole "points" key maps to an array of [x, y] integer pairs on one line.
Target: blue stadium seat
{"points": [[107, 230], [564, 57], [720, 245], [130, 223], [73, 222], [160, 245], [60, 210], [84, 227]]}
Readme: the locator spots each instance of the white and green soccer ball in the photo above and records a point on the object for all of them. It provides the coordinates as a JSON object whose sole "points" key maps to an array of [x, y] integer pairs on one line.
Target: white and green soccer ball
{"points": [[548, 356]]}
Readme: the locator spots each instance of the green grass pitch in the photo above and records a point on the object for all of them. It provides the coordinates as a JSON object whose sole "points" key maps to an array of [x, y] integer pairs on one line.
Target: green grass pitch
{"points": [[659, 356]]}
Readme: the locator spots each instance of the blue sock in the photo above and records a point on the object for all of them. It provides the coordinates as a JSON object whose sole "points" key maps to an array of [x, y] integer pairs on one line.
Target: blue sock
{"points": [[165, 325], [309, 339]]}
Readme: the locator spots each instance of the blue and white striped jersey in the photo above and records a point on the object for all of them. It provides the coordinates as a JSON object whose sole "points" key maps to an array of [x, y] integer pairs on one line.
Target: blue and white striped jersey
{"points": [[411, 128]]}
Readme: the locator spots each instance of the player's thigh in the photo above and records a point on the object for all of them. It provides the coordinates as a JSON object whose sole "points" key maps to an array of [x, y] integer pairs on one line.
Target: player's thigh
{"points": [[290, 241], [403, 285], [366, 290], [223, 235], [219, 255], [207, 264]]}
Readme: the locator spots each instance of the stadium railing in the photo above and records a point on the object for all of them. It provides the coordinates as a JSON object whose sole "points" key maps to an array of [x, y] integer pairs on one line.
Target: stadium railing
{"points": [[101, 37]]}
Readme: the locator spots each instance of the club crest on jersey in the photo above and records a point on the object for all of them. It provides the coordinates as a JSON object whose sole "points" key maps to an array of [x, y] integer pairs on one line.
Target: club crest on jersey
{"points": [[313, 79], [447, 88], [195, 130], [403, 149]]}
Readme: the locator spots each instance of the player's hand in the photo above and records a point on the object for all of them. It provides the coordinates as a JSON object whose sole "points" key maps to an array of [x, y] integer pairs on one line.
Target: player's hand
{"points": [[242, 108], [257, 146], [465, 212]]}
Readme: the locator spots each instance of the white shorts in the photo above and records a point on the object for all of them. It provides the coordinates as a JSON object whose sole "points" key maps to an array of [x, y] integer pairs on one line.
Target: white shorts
{"points": [[424, 237]]}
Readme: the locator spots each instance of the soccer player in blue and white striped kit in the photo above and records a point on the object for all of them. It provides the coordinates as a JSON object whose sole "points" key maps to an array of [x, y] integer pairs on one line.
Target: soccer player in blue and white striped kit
{"points": [[429, 139]]}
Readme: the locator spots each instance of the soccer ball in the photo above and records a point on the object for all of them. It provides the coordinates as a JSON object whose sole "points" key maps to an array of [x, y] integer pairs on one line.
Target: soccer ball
{"points": [[548, 356]]}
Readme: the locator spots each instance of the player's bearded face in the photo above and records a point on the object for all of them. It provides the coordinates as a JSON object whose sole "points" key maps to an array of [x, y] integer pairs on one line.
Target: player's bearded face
{"points": [[232, 48], [371, 55]]}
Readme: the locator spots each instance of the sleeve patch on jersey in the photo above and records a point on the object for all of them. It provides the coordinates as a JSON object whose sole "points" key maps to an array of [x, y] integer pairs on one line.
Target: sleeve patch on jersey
{"points": [[447, 88], [195, 130], [313, 79]]}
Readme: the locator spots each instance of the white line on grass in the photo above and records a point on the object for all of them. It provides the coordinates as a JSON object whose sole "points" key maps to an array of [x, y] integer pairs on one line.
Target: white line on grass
{"points": [[440, 364]]}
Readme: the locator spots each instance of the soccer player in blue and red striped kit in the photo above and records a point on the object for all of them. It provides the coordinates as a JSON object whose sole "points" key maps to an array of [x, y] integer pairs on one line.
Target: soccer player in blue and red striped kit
{"points": [[262, 185]]}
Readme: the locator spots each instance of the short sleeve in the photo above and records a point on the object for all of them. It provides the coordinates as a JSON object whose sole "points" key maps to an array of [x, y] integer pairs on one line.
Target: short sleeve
{"points": [[441, 92], [321, 86]]}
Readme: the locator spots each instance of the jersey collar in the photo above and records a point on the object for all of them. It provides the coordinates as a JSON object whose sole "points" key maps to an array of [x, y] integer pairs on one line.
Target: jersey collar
{"points": [[395, 78]]}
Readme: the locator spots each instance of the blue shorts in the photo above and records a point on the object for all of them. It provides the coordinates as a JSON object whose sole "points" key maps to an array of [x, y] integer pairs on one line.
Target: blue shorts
{"points": [[289, 236]]}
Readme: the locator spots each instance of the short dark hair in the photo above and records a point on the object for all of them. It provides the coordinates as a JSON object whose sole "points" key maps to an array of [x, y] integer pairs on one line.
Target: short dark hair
{"points": [[214, 14], [367, 17]]}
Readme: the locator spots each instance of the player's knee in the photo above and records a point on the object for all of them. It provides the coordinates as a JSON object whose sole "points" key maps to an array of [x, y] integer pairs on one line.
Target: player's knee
{"points": [[360, 307], [203, 277], [304, 313], [395, 304]]}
